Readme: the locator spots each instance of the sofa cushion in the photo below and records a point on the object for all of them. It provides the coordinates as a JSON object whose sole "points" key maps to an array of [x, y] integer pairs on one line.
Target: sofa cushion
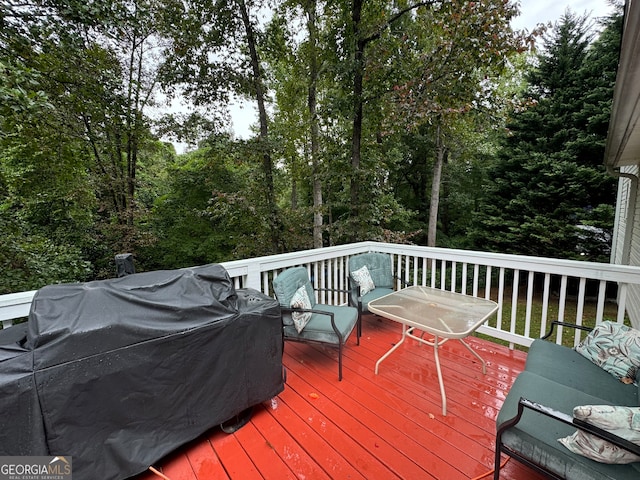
{"points": [[564, 365], [622, 421], [536, 435], [615, 348]]}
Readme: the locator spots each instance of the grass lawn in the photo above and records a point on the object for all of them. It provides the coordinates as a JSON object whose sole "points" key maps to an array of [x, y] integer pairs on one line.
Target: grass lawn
{"points": [[589, 310]]}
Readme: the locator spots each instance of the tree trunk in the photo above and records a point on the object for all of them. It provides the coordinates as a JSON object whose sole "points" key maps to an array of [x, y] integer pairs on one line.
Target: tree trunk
{"points": [[435, 190], [356, 136], [313, 118], [267, 163]]}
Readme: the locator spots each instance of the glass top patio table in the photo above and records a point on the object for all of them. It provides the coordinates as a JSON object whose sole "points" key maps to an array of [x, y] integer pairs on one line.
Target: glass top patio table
{"points": [[443, 314]]}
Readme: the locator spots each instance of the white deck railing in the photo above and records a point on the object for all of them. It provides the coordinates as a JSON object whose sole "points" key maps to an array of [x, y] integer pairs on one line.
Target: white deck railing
{"points": [[531, 291]]}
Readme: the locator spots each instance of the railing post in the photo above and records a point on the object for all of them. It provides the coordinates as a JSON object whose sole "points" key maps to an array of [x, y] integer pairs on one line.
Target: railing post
{"points": [[254, 277]]}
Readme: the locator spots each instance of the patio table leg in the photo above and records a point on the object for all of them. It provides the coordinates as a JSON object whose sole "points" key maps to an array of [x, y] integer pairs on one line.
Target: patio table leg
{"points": [[436, 344], [484, 365], [392, 349]]}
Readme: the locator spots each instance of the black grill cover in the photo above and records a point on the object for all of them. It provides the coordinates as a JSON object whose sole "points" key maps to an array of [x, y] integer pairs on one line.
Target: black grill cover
{"points": [[126, 370]]}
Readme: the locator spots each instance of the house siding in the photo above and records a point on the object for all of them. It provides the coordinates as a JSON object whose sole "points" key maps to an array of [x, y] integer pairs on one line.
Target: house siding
{"points": [[626, 241], [620, 226]]}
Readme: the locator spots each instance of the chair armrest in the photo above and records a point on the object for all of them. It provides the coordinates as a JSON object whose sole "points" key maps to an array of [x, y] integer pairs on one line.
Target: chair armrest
{"points": [[356, 288], [332, 290], [564, 324], [402, 282], [569, 420]]}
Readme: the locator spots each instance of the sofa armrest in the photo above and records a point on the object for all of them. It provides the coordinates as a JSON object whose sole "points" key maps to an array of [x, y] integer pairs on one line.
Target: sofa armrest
{"points": [[570, 420], [564, 324]]}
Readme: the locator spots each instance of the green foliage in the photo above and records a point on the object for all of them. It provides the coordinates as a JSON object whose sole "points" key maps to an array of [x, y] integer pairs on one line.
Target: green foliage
{"points": [[210, 211], [548, 186], [361, 97], [30, 261]]}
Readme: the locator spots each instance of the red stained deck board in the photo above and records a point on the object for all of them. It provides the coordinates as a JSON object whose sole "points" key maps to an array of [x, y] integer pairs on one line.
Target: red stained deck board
{"points": [[414, 369], [460, 369], [404, 419], [380, 446], [204, 461], [178, 467], [286, 446], [327, 455], [234, 459], [367, 426], [261, 452]]}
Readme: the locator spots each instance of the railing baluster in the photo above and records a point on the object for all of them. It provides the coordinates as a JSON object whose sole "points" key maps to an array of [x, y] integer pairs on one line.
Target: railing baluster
{"points": [[464, 278], [545, 303], [454, 274], [562, 302], [407, 268], [580, 309], [514, 300], [622, 302], [476, 277], [487, 287], [500, 298], [434, 269], [527, 322], [602, 298]]}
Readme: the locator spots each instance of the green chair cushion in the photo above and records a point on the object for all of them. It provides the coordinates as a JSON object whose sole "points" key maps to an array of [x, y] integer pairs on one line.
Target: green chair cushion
{"points": [[285, 286], [288, 282], [379, 266], [374, 294], [319, 327]]}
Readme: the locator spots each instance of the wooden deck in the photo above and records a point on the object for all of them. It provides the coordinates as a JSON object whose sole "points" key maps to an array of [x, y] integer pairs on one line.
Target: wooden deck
{"points": [[368, 426]]}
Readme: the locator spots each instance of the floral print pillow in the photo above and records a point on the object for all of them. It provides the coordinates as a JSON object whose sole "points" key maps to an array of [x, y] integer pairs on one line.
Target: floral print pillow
{"points": [[362, 277], [300, 299], [615, 348], [621, 421]]}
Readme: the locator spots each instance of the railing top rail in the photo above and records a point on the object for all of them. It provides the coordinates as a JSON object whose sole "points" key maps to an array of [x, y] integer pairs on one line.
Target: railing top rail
{"points": [[285, 260], [16, 298], [574, 268], [16, 304]]}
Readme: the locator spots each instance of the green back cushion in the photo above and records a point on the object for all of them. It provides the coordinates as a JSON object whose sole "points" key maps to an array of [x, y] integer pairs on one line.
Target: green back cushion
{"points": [[287, 282], [379, 266]]}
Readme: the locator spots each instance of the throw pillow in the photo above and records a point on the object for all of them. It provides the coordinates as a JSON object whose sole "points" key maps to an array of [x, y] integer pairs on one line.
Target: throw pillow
{"points": [[300, 299], [621, 421], [363, 278], [615, 348]]}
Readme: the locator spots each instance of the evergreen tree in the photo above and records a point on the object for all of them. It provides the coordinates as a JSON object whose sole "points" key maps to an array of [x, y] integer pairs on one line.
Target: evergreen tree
{"points": [[548, 193]]}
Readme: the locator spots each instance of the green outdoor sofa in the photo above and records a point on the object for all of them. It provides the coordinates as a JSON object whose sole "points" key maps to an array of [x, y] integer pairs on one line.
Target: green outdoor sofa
{"points": [[539, 410]]}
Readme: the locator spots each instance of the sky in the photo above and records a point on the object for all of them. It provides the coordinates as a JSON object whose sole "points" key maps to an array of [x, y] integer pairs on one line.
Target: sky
{"points": [[532, 12]]}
